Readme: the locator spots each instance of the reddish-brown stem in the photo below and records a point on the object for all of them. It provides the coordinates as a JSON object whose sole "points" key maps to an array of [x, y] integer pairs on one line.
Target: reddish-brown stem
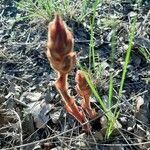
{"points": [[87, 106], [84, 91], [70, 105]]}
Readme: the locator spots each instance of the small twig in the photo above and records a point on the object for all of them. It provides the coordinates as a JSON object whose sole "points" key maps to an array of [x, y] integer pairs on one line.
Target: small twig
{"points": [[124, 137], [94, 139], [70, 137], [123, 145], [133, 134], [143, 23], [21, 103], [20, 126], [134, 97], [19, 79]]}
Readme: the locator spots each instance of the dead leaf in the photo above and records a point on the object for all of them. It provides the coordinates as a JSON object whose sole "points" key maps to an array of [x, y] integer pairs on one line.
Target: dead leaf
{"points": [[33, 96], [139, 103], [39, 111]]}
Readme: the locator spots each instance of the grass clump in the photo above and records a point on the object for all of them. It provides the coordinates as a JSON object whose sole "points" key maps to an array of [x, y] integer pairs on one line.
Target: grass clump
{"points": [[46, 9]]}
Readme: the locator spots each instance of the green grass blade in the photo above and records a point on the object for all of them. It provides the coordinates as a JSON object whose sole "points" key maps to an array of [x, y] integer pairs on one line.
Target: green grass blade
{"points": [[111, 80], [92, 44], [131, 38]]}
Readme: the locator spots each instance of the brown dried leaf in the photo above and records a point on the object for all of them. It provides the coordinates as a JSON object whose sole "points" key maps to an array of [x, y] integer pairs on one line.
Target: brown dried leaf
{"points": [[139, 103]]}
